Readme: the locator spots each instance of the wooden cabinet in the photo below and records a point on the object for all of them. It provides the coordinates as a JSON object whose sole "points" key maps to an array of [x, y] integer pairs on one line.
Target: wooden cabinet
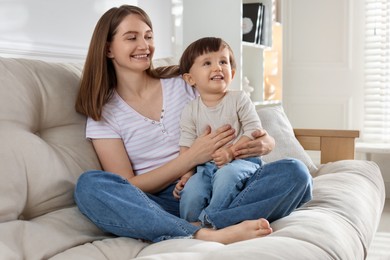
{"points": [[223, 18], [334, 144]]}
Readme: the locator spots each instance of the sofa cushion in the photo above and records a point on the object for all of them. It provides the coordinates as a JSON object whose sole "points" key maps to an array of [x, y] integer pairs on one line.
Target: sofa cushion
{"points": [[275, 121], [43, 146]]}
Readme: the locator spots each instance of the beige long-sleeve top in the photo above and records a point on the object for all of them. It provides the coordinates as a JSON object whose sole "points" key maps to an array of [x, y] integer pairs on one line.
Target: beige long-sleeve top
{"points": [[235, 109]]}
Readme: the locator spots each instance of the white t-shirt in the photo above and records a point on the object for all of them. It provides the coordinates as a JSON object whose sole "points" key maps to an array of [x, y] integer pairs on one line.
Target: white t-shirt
{"points": [[149, 144]]}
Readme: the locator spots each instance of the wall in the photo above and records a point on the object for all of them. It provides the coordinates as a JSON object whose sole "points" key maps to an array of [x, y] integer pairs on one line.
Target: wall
{"points": [[323, 67], [61, 30], [323, 63]]}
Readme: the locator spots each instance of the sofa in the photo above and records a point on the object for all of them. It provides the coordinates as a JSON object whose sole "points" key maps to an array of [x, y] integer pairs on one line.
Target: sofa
{"points": [[43, 151]]}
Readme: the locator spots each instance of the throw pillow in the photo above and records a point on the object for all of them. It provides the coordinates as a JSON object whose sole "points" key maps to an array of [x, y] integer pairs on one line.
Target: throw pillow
{"points": [[275, 121]]}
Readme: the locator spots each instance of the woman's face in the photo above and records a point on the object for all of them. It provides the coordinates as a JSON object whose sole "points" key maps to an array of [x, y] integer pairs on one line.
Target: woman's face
{"points": [[132, 46]]}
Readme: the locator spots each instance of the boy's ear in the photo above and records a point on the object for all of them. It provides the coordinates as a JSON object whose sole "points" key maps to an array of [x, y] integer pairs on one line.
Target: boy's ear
{"points": [[233, 73], [188, 78]]}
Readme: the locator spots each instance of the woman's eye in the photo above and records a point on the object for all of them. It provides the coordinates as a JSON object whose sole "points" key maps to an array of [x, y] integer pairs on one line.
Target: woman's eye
{"points": [[207, 63], [148, 36]]}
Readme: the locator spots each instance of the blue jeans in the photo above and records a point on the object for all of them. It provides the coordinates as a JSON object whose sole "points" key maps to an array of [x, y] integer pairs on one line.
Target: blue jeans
{"points": [[212, 189], [118, 207]]}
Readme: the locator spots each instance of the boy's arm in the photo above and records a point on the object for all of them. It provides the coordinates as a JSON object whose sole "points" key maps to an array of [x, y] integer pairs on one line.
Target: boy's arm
{"points": [[252, 127], [248, 116]]}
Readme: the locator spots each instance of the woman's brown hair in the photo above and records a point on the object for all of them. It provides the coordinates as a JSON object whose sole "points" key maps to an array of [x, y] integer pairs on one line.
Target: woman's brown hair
{"points": [[98, 80]]}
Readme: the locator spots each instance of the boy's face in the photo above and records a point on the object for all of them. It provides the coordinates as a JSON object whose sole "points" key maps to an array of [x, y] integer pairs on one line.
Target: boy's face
{"points": [[211, 72]]}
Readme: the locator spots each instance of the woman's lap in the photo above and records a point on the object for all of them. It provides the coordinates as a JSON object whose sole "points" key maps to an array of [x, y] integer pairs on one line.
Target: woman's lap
{"points": [[118, 207]]}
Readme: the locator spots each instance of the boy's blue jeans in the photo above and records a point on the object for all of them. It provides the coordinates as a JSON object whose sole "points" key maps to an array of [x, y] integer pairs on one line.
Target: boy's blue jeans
{"points": [[212, 189], [118, 207]]}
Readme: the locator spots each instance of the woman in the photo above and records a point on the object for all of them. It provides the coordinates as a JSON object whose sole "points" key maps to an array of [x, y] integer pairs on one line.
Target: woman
{"points": [[133, 121]]}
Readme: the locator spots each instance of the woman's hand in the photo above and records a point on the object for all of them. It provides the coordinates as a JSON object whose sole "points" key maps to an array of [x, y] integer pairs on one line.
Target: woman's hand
{"points": [[209, 142], [262, 144]]}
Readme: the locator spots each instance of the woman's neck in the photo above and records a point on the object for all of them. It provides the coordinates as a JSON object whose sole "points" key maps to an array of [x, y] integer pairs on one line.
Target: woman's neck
{"points": [[133, 84]]}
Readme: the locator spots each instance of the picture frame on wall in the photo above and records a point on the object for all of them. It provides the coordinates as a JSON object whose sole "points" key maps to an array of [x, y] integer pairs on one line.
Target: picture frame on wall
{"points": [[252, 21]]}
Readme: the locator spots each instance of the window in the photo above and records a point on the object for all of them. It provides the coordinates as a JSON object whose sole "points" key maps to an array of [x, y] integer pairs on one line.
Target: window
{"points": [[376, 127]]}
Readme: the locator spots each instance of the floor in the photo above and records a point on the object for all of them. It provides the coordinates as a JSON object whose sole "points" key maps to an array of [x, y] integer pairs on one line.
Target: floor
{"points": [[380, 246]]}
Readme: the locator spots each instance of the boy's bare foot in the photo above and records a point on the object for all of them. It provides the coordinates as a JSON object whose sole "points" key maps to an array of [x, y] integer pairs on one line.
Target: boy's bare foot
{"points": [[243, 231]]}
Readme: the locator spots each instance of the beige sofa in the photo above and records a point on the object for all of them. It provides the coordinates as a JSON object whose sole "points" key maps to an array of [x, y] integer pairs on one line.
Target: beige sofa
{"points": [[43, 151]]}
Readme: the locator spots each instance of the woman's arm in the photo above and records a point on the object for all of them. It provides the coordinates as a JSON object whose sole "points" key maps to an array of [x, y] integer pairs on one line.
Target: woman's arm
{"points": [[183, 179], [113, 158], [261, 145]]}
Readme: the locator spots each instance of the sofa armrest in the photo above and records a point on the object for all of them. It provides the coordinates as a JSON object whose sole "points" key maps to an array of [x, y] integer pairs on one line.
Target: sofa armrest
{"points": [[334, 145]]}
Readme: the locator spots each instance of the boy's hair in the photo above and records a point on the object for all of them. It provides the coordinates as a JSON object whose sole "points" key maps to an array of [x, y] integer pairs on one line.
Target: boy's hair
{"points": [[200, 47]]}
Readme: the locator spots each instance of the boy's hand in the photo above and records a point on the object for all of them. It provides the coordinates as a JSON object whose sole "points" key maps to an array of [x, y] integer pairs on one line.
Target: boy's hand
{"points": [[223, 156], [180, 185]]}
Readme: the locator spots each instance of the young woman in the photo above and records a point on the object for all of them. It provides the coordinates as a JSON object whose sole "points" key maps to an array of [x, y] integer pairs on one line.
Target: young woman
{"points": [[133, 121]]}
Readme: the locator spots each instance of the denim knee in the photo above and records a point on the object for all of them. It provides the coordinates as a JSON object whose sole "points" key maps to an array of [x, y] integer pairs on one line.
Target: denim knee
{"points": [[89, 185], [300, 170], [85, 182], [302, 179]]}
